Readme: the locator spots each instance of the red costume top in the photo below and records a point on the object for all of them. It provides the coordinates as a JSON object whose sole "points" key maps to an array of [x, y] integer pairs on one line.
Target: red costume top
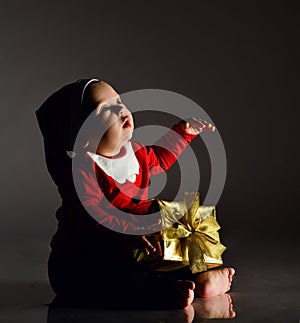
{"points": [[88, 220]]}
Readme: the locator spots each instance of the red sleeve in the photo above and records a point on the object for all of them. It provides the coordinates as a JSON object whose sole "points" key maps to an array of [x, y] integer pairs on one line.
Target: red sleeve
{"points": [[91, 197], [168, 148], [101, 211]]}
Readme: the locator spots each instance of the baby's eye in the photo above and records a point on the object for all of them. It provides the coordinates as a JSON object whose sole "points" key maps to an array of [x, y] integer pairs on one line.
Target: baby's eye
{"points": [[119, 101], [105, 108]]}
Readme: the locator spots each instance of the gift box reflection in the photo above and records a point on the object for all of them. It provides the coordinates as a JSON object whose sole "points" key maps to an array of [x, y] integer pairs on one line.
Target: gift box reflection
{"points": [[190, 233]]}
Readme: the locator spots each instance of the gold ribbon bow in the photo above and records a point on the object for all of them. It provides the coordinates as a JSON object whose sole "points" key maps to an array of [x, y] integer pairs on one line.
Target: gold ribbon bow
{"points": [[190, 233]]}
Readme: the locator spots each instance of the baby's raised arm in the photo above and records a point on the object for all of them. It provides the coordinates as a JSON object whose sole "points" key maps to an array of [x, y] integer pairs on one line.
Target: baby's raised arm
{"points": [[168, 148]]}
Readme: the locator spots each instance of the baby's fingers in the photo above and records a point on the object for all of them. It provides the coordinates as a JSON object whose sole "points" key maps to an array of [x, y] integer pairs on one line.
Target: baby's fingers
{"points": [[206, 125], [195, 124], [147, 246]]}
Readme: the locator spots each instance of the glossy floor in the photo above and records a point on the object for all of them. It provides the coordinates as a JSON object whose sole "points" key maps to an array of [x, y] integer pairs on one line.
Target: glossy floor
{"points": [[266, 289]]}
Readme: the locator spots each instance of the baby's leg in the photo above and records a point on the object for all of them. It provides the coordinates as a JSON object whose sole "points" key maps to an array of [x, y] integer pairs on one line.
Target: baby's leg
{"points": [[214, 282]]}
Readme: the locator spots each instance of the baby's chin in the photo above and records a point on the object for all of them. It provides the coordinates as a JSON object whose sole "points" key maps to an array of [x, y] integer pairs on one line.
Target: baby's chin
{"points": [[127, 138], [129, 135]]}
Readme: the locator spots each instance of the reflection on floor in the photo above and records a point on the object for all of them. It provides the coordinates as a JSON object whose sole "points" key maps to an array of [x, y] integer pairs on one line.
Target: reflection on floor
{"points": [[265, 289]]}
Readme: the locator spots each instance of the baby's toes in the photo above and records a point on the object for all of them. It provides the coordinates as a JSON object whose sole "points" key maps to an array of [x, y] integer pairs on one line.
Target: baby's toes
{"points": [[231, 272]]}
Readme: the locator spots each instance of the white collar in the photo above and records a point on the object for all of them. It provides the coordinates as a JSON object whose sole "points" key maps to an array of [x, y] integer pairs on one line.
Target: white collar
{"points": [[120, 169]]}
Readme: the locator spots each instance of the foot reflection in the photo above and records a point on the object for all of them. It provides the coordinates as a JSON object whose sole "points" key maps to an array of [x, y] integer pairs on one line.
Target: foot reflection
{"points": [[202, 308], [214, 307]]}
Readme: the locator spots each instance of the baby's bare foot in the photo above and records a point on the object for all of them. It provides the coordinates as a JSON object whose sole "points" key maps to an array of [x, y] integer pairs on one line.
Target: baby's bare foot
{"points": [[184, 292], [214, 307], [214, 282]]}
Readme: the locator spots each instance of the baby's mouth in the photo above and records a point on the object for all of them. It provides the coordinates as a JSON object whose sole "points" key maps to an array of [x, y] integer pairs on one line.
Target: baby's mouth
{"points": [[126, 123]]}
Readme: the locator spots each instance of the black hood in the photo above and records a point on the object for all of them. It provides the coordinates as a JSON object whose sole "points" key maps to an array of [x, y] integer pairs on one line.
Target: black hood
{"points": [[60, 118]]}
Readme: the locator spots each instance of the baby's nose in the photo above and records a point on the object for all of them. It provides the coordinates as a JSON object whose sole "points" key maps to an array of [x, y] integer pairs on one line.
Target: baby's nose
{"points": [[117, 109]]}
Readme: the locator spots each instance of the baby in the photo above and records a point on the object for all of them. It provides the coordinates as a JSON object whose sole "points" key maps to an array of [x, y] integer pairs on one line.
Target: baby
{"points": [[91, 259]]}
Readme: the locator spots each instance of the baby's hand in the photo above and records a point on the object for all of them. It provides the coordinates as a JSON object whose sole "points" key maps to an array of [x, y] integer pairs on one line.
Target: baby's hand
{"points": [[150, 243], [194, 126]]}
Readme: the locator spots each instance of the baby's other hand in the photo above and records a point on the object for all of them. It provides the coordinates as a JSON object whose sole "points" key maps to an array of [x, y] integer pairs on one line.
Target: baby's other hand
{"points": [[150, 243], [194, 126]]}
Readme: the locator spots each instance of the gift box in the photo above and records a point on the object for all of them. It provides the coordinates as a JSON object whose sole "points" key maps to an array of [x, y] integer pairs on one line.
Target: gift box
{"points": [[190, 235]]}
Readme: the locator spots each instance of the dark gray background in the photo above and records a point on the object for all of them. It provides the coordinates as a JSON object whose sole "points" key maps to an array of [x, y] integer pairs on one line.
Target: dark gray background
{"points": [[237, 59]]}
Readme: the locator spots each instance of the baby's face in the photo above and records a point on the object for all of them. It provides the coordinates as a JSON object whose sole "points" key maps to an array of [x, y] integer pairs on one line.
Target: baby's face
{"points": [[113, 116]]}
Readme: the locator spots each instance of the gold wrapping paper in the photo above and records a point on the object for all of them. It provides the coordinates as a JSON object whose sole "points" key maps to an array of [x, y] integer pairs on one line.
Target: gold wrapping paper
{"points": [[190, 233]]}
